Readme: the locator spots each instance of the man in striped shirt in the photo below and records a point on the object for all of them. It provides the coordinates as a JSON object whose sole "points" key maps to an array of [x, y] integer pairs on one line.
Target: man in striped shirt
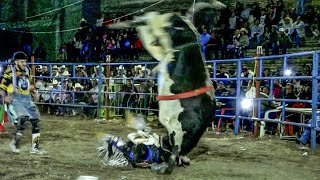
{"points": [[15, 87]]}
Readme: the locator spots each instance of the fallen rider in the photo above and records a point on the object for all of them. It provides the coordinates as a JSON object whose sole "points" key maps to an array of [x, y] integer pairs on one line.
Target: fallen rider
{"points": [[144, 149]]}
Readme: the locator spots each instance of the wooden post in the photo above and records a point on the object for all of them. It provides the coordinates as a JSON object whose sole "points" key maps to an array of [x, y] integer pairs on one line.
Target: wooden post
{"points": [[33, 70], [107, 100], [257, 85]]}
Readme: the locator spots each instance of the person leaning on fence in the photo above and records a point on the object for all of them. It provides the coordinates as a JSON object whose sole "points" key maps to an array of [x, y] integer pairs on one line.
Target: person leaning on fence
{"points": [[93, 99], [80, 98], [129, 98], [16, 89], [44, 91]]}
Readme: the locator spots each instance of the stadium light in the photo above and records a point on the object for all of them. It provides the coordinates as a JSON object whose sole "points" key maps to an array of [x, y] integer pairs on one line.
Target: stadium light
{"points": [[288, 72], [246, 103]]}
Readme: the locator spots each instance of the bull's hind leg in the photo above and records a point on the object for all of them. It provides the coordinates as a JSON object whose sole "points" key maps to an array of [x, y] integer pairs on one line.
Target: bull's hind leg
{"points": [[176, 134]]}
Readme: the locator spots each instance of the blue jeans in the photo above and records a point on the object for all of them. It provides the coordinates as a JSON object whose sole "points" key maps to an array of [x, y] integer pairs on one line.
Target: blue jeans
{"points": [[257, 38], [23, 106], [306, 135]]}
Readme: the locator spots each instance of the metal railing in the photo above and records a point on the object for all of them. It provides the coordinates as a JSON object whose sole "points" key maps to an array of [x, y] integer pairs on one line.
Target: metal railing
{"points": [[105, 105], [257, 101]]}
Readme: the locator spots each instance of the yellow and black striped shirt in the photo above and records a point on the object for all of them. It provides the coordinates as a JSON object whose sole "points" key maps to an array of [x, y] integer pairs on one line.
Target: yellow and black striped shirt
{"points": [[21, 82]]}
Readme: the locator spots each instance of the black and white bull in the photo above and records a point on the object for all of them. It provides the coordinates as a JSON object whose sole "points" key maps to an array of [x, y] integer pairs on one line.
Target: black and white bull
{"points": [[185, 91]]}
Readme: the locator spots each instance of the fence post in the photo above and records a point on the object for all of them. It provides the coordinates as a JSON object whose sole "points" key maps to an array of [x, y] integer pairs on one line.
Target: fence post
{"points": [[315, 65], [257, 86], [107, 100], [238, 101], [99, 90], [283, 113]]}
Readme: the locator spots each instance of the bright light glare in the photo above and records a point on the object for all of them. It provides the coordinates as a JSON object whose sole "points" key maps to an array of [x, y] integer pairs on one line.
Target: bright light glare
{"points": [[246, 103], [288, 72]]}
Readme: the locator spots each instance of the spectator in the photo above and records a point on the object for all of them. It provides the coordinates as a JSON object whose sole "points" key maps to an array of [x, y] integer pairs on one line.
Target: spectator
{"points": [[82, 74], [80, 98], [257, 31], [277, 89], [93, 99], [213, 46], [315, 27], [263, 18], [129, 98], [283, 41], [290, 94], [204, 39], [231, 47], [223, 74], [306, 135], [55, 72], [246, 84], [95, 74], [266, 73], [272, 42], [56, 94], [298, 31], [233, 23], [44, 91], [243, 43], [287, 25]]}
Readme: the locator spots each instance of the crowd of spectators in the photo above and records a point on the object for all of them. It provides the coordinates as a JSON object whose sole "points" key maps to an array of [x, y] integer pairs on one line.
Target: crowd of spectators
{"points": [[275, 27], [93, 42], [82, 88]]}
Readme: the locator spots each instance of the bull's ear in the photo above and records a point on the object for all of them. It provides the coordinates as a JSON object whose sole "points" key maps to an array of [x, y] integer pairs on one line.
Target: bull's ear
{"points": [[127, 24]]}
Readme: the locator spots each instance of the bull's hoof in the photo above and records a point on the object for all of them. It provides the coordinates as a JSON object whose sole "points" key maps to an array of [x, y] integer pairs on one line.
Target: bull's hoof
{"points": [[183, 161], [165, 170]]}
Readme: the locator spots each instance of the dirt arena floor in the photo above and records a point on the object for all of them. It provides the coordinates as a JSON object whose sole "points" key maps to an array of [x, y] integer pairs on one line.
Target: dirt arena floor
{"points": [[72, 146]]}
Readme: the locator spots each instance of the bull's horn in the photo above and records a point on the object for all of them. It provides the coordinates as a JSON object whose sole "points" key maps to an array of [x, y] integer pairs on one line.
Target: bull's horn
{"points": [[127, 24], [203, 5]]}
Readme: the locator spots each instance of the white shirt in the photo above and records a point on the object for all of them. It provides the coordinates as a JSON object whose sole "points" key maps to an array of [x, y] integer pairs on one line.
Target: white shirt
{"points": [[232, 22], [45, 92], [99, 22], [95, 91]]}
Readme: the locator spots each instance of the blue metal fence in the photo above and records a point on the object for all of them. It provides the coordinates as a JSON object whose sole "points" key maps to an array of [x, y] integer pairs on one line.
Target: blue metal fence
{"points": [[287, 59]]}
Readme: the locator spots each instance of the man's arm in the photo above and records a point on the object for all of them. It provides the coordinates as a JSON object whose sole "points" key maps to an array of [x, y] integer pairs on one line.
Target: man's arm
{"points": [[6, 86]]}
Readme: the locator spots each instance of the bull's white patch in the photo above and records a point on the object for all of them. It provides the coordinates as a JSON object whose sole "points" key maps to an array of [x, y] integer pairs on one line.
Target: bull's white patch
{"points": [[163, 52], [154, 31], [169, 110]]}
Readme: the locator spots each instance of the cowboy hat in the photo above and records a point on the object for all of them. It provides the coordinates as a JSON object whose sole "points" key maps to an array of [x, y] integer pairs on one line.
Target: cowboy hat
{"points": [[78, 85], [80, 66], [102, 68], [54, 82], [65, 73]]}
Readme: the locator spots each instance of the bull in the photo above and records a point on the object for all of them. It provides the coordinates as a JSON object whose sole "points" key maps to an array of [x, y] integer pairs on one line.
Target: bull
{"points": [[185, 91]]}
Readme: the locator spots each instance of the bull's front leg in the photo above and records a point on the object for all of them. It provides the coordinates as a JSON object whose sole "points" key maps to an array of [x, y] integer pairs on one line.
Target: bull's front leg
{"points": [[176, 134]]}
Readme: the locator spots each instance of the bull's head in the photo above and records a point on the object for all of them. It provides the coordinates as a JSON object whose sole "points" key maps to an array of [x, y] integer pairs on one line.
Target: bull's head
{"points": [[152, 30]]}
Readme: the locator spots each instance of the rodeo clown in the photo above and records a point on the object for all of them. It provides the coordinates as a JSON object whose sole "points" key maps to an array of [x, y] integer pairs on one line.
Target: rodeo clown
{"points": [[16, 92]]}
